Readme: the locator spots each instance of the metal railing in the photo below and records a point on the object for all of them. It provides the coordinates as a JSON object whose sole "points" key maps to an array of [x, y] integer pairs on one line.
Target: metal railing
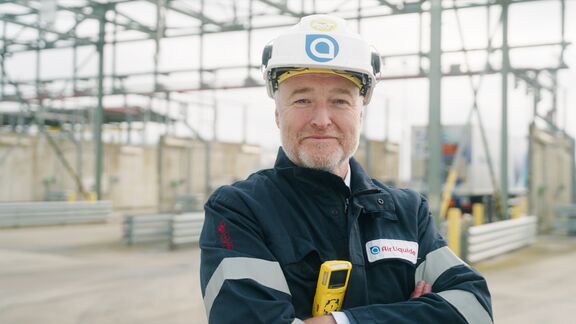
{"points": [[174, 229], [22, 214], [566, 218], [488, 240], [186, 228], [146, 228]]}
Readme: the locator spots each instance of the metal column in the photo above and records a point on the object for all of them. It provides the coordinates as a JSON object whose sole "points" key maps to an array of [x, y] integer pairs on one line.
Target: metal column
{"points": [[38, 82], [99, 112], [2, 59], [504, 122], [434, 118], [573, 142], [160, 25], [201, 50]]}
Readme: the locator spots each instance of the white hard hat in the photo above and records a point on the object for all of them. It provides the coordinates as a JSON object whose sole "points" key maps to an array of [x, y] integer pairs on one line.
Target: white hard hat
{"points": [[321, 43]]}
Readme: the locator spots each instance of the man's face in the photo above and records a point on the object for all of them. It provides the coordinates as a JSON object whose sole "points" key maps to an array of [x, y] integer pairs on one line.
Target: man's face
{"points": [[319, 116]]}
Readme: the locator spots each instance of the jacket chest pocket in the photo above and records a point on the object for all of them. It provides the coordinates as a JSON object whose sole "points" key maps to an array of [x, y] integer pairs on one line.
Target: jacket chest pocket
{"points": [[393, 280], [391, 255]]}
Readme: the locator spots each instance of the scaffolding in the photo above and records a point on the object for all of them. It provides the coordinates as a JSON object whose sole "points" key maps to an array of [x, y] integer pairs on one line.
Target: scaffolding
{"points": [[90, 34]]}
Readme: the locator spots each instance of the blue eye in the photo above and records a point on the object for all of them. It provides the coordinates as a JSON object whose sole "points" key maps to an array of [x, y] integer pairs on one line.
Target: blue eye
{"points": [[302, 101], [341, 102]]}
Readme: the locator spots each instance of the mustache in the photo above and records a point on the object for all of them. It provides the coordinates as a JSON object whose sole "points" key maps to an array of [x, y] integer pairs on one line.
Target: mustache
{"points": [[319, 135], [314, 132]]}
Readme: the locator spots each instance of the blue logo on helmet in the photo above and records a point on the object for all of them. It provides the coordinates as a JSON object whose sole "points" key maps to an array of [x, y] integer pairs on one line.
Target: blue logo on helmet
{"points": [[374, 250], [321, 48]]}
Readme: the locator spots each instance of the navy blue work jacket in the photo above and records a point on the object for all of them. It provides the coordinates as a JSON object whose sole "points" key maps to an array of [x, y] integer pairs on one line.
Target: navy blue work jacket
{"points": [[264, 239]]}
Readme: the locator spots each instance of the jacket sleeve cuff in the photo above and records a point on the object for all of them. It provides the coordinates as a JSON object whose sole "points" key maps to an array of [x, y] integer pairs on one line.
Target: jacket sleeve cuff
{"points": [[349, 316], [340, 318]]}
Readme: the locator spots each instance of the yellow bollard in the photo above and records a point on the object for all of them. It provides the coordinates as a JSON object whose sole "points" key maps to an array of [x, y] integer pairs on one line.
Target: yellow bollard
{"points": [[91, 196], [454, 231], [516, 212], [520, 209], [478, 214], [524, 205], [71, 196]]}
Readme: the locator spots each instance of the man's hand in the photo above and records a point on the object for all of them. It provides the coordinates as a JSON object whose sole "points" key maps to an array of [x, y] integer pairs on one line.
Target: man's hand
{"points": [[326, 319], [422, 288]]}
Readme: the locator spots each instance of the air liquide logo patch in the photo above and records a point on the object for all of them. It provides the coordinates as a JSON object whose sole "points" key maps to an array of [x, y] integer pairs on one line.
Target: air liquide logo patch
{"points": [[321, 48], [392, 249]]}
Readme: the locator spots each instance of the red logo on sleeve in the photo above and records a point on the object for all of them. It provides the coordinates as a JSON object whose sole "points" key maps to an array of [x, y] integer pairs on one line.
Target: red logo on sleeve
{"points": [[225, 236]]}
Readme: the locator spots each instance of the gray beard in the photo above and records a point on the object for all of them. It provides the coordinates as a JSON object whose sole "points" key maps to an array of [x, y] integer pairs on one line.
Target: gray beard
{"points": [[325, 164], [329, 165]]}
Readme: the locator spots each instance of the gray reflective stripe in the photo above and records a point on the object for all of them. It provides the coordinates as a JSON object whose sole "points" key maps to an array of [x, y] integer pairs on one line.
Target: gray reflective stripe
{"points": [[467, 305], [297, 321], [437, 262], [266, 273]]}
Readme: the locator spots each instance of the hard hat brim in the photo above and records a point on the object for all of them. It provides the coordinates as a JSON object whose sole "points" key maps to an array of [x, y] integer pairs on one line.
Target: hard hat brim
{"points": [[292, 73]]}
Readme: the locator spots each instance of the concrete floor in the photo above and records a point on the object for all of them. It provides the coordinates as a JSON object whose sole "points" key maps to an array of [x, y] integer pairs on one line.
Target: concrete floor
{"points": [[534, 285], [84, 274]]}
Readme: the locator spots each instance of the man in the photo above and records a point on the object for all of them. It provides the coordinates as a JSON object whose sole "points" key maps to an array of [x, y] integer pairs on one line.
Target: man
{"points": [[265, 238]]}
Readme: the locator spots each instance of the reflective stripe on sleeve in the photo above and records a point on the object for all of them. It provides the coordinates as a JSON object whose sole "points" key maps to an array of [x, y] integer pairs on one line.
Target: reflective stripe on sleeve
{"points": [[467, 305], [436, 263], [266, 273]]}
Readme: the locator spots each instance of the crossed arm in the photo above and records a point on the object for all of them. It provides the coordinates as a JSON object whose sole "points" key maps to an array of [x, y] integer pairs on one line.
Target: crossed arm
{"points": [[422, 288]]}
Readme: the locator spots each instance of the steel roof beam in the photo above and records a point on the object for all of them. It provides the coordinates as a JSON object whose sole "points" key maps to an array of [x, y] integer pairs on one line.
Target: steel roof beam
{"points": [[190, 13], [225, 28], [33, 45], [282, 7], [13, 20], [389, 5], [132, 24]]}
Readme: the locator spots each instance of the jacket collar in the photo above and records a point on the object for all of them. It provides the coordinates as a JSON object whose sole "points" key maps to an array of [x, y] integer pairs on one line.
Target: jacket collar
{"points": [[360, 181], [366, 194]]}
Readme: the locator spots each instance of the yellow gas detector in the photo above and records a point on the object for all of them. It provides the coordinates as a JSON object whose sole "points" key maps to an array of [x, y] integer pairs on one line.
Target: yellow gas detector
{"points": [[331, 287]]}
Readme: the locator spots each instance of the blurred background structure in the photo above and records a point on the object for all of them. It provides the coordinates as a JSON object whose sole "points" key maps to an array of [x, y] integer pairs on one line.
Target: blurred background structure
{"points": [[147, 106], [127, 100]]}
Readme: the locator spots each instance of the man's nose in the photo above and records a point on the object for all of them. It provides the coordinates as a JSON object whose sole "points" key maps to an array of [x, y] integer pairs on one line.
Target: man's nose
{"points": [[321, 117]]}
